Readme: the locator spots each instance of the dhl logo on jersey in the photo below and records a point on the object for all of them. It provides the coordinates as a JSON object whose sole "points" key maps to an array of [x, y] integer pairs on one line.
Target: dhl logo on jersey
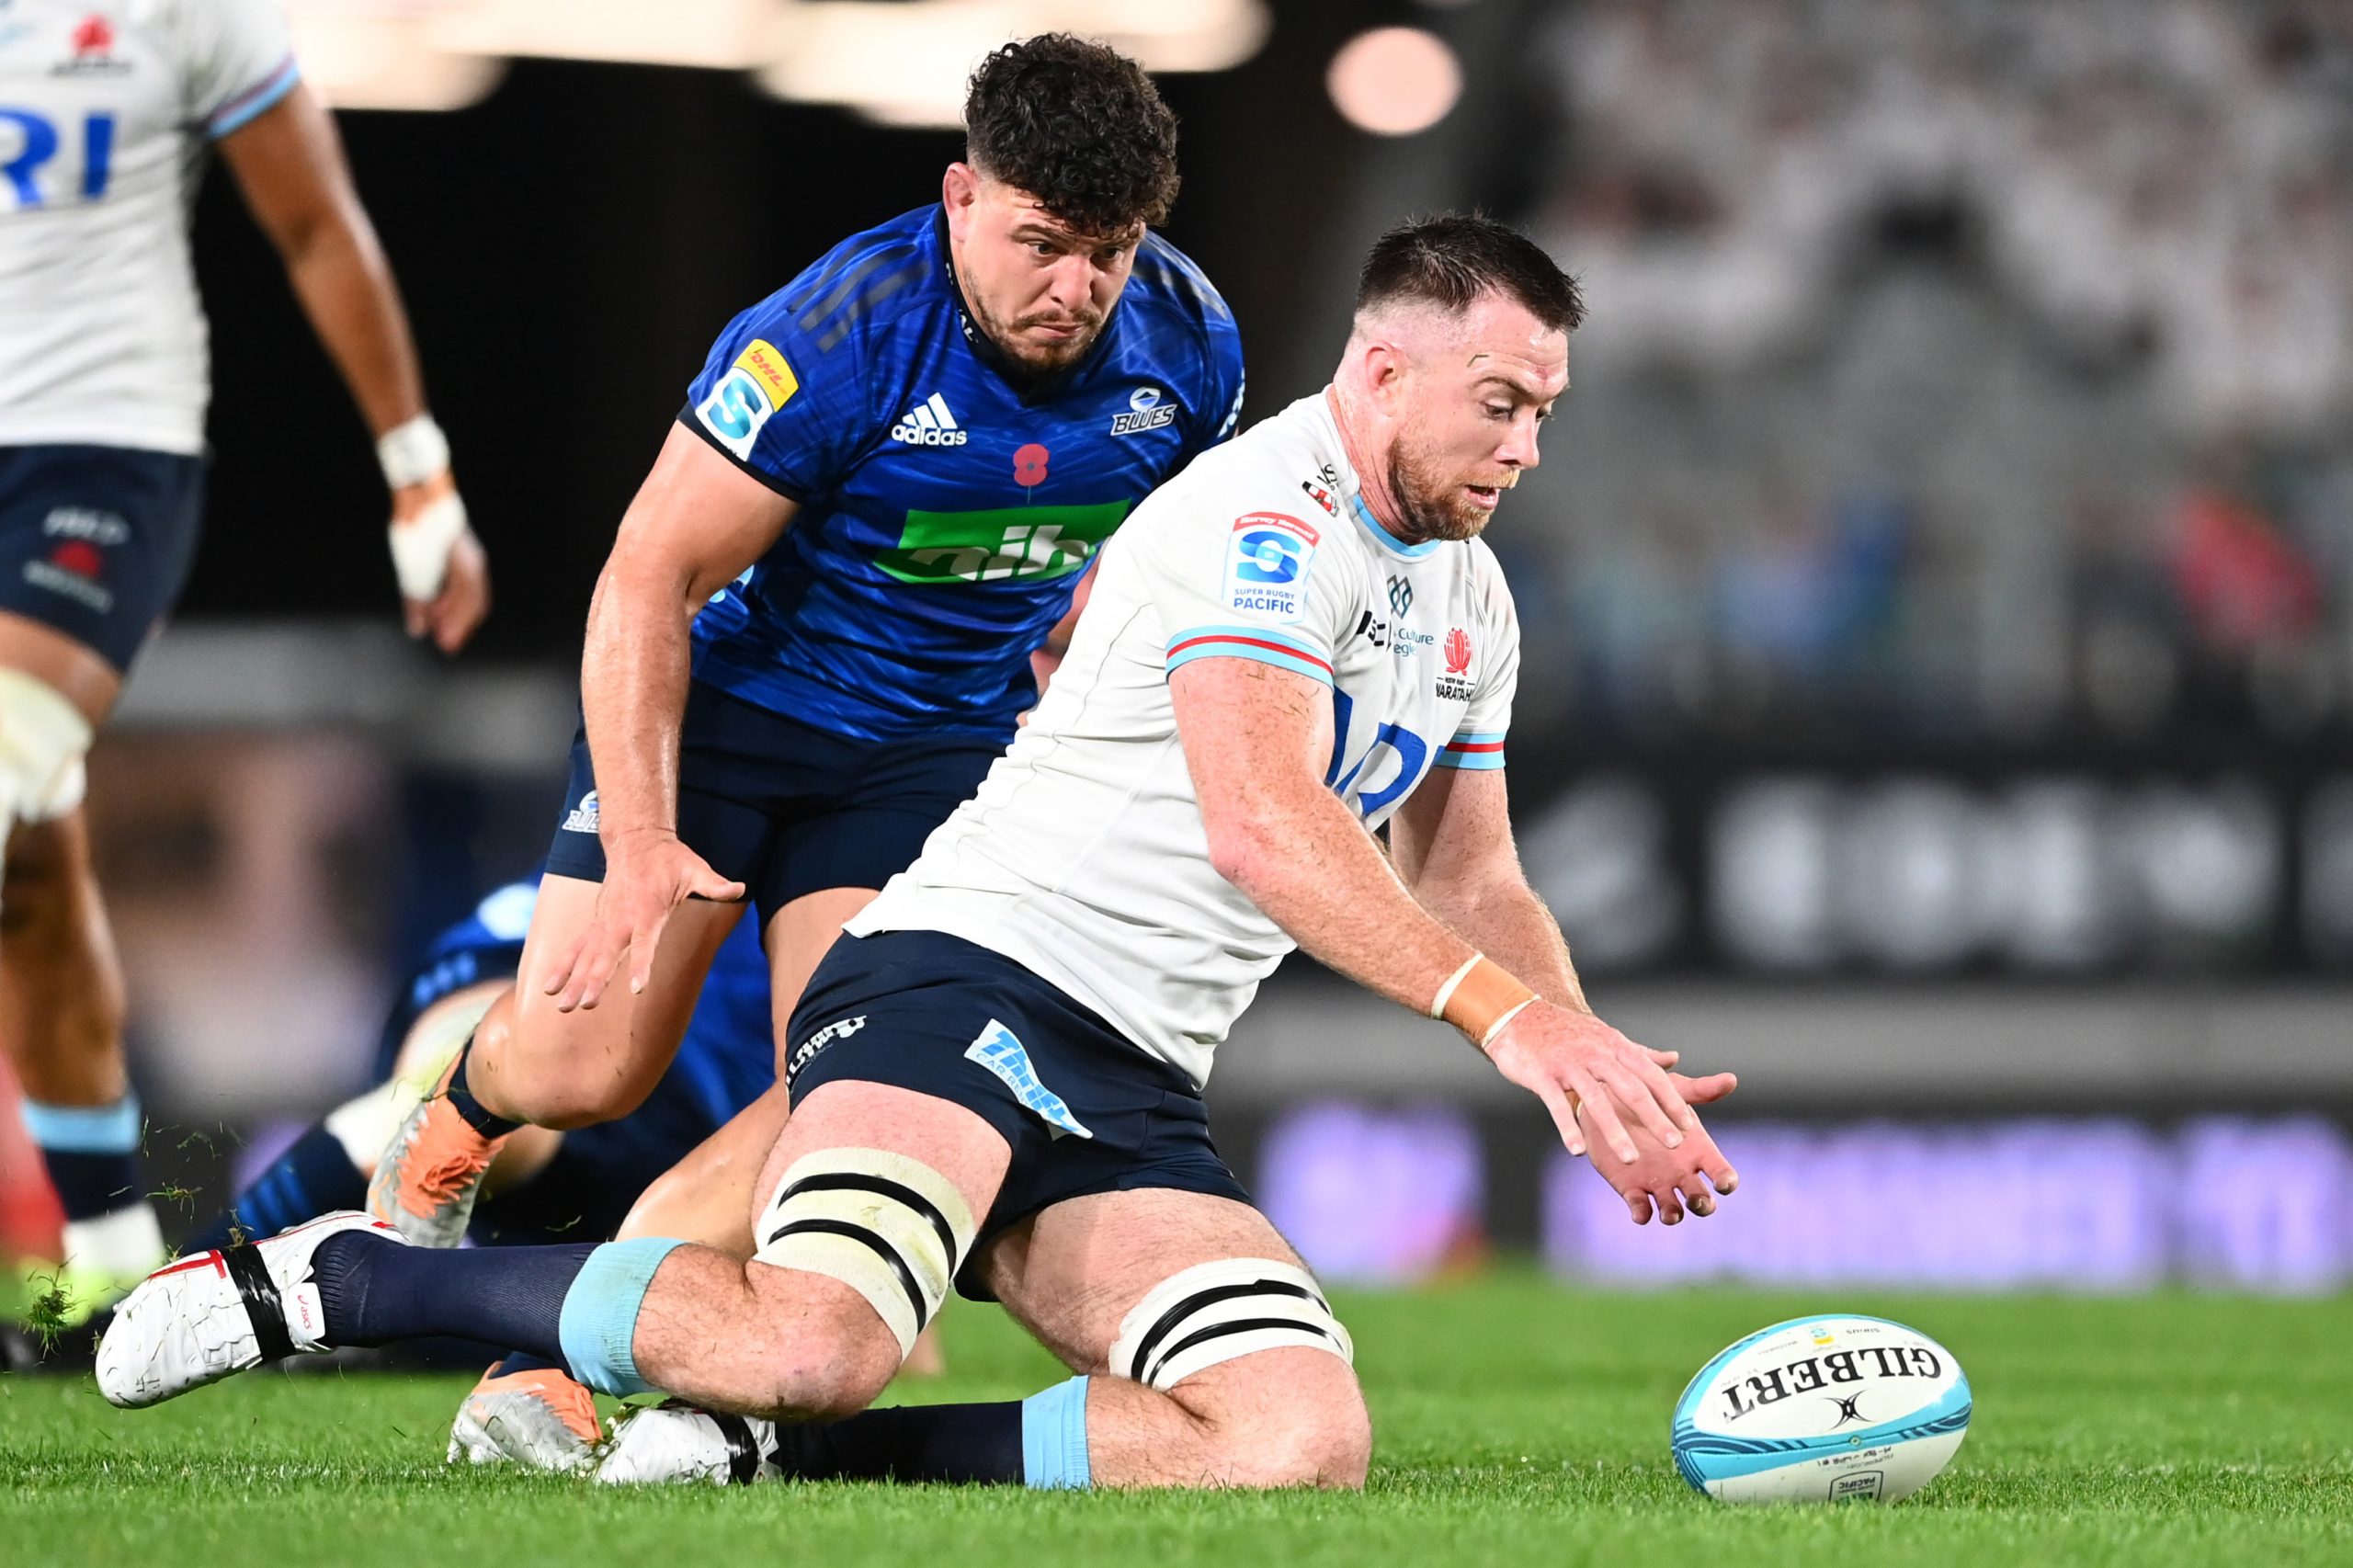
{"points": [[759, 383]]}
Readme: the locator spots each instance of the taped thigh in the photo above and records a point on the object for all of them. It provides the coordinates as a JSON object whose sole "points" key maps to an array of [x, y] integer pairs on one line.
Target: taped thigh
{"points": [[1216, 1311], [888, 1226], [43, 739]]}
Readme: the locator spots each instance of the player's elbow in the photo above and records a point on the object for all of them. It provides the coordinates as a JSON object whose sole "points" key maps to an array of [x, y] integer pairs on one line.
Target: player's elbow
{"points": [[1246, 851]]}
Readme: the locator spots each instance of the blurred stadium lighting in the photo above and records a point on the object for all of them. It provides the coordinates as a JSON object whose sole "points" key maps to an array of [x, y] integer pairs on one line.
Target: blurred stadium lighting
{"points": [[1394, 81], [385, 55], [900, 64], [906, 65]]}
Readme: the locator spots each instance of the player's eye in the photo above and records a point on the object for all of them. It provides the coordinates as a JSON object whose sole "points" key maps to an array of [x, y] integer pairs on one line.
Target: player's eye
{"points": [[1110, 257], [1499, 411]]}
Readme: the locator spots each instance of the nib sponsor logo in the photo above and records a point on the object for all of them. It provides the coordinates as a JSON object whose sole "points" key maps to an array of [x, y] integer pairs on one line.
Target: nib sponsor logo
{"points": [[929, 424]]}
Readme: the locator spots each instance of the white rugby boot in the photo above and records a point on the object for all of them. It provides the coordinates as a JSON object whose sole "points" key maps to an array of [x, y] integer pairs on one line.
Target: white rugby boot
{"points": [[538, 1419], [676, 1443], [203, 1318]]}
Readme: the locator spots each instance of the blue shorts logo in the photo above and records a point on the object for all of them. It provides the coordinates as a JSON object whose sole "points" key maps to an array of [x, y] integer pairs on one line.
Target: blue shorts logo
{"points": [[1002, 1052]]}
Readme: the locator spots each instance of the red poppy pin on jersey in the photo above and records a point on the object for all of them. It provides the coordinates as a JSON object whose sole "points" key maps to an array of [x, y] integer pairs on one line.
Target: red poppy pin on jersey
{"points": [[1029, 466]]}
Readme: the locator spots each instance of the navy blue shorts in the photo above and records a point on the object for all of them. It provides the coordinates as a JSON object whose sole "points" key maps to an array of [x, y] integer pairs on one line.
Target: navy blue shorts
{"points": [[96, 541], [783, 807], [1085, 1111]]}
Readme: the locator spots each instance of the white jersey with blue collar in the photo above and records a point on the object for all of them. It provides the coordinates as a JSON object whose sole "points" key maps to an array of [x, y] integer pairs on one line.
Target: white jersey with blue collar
{"points": [[1083, 857], [107, 108]]}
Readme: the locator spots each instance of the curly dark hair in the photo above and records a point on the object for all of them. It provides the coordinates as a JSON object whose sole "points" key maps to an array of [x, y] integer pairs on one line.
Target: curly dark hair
{"points": [[1077, 125], [1450, 259]]}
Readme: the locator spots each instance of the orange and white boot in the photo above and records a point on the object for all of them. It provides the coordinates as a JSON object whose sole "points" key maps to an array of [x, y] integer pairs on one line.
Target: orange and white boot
{"points": [[536, 1417], [425, 1185]]}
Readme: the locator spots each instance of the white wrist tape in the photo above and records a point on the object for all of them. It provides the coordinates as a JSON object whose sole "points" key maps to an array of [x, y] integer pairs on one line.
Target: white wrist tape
{"points": [[414, 452], [1453, 983], [421, 546]]}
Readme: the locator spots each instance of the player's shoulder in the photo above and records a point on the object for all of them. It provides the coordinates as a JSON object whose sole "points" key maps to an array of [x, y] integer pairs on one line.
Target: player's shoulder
{"points": [[1489, 587], [865, 283], [1179, 309], [1279, 466]]}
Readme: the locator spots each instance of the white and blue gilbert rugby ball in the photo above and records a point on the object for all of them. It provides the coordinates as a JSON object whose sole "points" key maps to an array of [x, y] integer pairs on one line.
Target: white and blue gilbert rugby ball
{"points": [[1822, 1410]]}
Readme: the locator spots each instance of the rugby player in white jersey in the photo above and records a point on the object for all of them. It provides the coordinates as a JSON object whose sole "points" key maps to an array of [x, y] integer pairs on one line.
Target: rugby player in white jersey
{"points": [[108, 111], [996, 1079]]}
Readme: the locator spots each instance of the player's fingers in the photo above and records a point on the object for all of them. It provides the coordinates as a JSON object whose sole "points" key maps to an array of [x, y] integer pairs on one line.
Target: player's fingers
{"points": [[1603, 1116], [1638, 1204], [1696, 1195], [1662, 1091], [1717, 1169], [707, 883], [1670, 1206], [1704, 1091], [643, 944], [1635, 1093], [1664, 1058], [600, 953], [1564, 1118], [413, 617]]}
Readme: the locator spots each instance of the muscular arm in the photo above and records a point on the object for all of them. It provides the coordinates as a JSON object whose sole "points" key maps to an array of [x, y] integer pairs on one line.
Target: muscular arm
{"points": [[1256, 741], [1452, 842], [696, 523], [288, 163]]}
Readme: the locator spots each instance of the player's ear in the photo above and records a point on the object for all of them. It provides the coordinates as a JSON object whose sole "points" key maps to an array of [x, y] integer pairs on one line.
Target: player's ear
{"points": [[959, 189]]}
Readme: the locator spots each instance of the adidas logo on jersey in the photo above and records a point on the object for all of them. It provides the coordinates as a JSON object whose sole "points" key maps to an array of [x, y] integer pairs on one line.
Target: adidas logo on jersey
{"points": [[929, 424]]}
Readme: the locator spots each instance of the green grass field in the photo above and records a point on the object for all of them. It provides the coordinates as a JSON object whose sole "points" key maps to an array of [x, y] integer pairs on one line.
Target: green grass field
{"points": [[1516, 1422]]}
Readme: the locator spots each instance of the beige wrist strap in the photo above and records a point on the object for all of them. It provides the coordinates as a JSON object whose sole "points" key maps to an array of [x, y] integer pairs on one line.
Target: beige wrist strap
{"points": [[1480, 998]]}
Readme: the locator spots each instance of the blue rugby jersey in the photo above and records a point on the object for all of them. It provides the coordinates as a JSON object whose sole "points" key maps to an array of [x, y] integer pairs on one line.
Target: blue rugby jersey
{"points": [[944, 516], [728, 1057]]}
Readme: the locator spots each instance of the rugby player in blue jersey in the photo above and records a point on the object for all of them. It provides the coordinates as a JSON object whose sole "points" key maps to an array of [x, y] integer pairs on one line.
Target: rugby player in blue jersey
{"points": [[814, 633]]}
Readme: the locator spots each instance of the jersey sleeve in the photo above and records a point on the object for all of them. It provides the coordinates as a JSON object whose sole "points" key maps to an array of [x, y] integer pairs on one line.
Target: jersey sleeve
{"points": [[1224, 384], [1478, 742], [239, 62], [1233, 583], [787, 412]]}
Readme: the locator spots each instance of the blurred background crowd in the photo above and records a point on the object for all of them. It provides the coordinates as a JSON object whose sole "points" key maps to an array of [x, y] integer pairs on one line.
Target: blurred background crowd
{"points": [[1937, 592]]}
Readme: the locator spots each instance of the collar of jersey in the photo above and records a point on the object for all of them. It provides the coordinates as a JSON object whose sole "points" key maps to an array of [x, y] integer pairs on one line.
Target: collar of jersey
{"points": [[1383, 537], [984, 346]]}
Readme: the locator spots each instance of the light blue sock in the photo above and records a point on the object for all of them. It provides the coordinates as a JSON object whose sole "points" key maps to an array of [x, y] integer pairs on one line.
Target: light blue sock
{"points": [[1054, 1438], [599, 1316]]}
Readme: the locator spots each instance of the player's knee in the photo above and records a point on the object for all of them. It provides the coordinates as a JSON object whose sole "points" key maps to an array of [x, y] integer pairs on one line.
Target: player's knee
{"points": [[1282, 1418], [829, 1355], [865, 1242], [561, 1107], [1250, 1347]]}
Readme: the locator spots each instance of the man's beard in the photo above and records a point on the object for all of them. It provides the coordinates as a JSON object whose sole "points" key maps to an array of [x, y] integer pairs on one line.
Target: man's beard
{"points": [[1027, 365], [1430, 510]]}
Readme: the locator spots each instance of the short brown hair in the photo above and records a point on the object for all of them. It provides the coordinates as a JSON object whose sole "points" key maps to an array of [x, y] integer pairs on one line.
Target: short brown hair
{"points": [[1452, 259]]}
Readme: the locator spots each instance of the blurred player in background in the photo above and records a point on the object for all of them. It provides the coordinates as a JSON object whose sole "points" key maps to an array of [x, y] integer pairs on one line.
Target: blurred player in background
{"points": [[109, 110], [815, 629], [1300, 640]]}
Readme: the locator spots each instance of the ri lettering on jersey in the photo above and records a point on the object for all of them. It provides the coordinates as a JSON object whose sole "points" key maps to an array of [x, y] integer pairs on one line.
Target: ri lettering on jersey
{"points": [[945, 515], [105, 108]]}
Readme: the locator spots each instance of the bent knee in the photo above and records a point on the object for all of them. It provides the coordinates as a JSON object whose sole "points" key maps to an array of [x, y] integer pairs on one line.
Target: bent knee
{"points": [[1304, 1425], [831, 1355]]}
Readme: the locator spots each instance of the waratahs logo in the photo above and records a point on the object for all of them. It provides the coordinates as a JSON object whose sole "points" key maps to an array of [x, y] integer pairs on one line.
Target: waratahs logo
{"points": [[1458, 652]]}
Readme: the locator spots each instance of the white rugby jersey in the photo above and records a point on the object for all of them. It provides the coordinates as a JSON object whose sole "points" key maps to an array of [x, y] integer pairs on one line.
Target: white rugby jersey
{"points": [[107, 108], [1083, 856]]}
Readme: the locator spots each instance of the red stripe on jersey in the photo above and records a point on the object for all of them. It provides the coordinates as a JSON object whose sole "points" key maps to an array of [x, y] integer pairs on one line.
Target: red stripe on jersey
{"points": [[1300, 654]]}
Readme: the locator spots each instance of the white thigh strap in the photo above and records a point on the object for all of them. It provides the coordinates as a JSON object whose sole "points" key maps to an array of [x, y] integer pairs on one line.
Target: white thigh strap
{"points": [[1215, 1311], [889, 1227], [42, 740]]}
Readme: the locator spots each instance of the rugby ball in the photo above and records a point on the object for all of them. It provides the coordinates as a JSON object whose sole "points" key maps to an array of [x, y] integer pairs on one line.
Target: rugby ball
{"points": [[1822, 1410]]}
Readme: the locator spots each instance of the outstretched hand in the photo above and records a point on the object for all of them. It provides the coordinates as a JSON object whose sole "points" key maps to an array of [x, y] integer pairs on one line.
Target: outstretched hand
{"points": [[647, 875], [1689, 1176], [1587, 1073]]}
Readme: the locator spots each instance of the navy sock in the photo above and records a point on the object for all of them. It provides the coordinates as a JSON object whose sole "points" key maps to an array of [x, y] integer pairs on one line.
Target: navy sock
{"points": [[373, 1292], [90, 1187], [524, 1361], [461, 1100], [966, 1444], [315, 1176]]}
